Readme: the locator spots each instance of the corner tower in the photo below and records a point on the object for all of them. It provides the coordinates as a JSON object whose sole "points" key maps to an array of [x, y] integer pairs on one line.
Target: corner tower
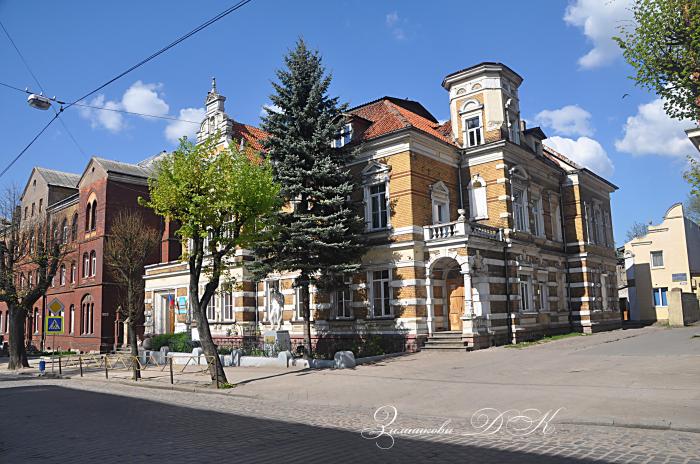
{"points": [[484, 104]]}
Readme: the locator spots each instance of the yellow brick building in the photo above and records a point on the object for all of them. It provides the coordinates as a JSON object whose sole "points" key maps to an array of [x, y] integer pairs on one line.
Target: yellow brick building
{"points": [[478, 233]]}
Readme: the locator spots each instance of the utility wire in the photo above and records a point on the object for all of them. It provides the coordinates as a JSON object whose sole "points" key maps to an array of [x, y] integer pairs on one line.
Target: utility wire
{"points": [[202, 26], [164, 49], [36, 79], [170, 118], [103, 108], [30, 143]]}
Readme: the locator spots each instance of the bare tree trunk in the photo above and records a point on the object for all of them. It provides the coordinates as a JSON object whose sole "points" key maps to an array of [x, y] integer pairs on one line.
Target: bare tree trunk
{"points": [[306, 310], [133, 343], [18, 353], [216, 370]]}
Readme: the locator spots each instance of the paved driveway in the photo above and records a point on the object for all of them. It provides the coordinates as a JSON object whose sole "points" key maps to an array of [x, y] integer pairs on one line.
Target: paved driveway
{"points": [[648, 376]]}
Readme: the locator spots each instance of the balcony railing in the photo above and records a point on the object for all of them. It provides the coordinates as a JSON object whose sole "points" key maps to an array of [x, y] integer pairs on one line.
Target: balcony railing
{"points": [[446, 230], [461, 228]]}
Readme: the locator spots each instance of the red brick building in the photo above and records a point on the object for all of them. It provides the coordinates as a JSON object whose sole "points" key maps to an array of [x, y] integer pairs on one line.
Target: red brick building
{"points": [[80, 210]]}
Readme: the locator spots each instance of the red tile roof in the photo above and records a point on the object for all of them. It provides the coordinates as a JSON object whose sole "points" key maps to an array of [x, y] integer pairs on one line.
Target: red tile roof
{"points": [[252, 136], [390, 114]]}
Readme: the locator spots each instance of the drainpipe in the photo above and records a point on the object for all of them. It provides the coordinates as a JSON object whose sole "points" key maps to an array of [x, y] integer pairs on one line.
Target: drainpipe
{"points": [[505, 274], [459, 180]]}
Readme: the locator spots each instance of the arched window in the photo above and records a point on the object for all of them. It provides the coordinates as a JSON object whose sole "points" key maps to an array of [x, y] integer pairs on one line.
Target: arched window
{"points": [[30, 280], [93, 219], [64, 231], [93, 263], [72, 319], [62, 275], [36, 323], [72, 272], [21, 280], [87, 312], [88, 216], [477, 198], [54, 233], [86, 265], [74, 228]]}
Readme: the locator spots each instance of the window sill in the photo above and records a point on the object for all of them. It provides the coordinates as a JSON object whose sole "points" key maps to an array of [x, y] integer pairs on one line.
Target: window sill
{"points": [[379, 318], [343, 318]]}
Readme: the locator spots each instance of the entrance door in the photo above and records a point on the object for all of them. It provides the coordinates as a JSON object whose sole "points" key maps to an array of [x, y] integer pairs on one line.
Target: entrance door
{"points": [[165, 313], [456, 309]]}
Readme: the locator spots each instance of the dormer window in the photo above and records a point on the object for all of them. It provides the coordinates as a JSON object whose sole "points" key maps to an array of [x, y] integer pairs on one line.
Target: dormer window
{"points": [[344, 136], [473, 130]]}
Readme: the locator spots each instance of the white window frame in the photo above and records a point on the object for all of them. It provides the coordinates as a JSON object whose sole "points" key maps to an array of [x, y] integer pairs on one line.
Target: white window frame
{"points": [[526, 296], [651, 259], [72, 319], [543, 291], [477, 131], [523, 223], [344, 136], [376, 174], [385, 293], [538, 213], [478, 202], [555, 213], [514, 129], [227, 311], [440, 200], [268, 290], [343, 297], [604, 291]]}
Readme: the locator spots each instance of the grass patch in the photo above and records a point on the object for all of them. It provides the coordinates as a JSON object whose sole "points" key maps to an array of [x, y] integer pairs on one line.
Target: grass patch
{"points": [[548, 339]]}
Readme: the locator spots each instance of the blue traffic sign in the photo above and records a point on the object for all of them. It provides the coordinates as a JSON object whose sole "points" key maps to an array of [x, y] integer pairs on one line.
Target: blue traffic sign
{"points": [[54, 325]]}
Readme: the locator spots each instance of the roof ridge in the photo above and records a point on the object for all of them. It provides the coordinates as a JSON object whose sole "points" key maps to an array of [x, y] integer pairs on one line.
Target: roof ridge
{"points": [[396, 111]]}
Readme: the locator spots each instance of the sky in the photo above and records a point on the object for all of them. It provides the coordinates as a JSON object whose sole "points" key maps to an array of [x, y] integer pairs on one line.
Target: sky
{"points": [[576, 85]]}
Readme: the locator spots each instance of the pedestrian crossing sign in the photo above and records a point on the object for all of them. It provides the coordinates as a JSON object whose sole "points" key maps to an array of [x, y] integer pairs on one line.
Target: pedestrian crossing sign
{"points": [[54, 325]]}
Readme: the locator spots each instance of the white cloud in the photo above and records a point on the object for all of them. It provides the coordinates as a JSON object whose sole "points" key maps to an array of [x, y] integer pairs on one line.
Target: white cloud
{"points": [[176, 129], [393, 22], [584, 151], [139, 98], [599, 20], [269, 107], [567, 120], [110, 120], [652, 132], [144, 98]]}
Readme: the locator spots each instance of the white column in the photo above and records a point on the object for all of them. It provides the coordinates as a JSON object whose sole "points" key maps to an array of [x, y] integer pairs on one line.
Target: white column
{"points": [[429, 305], [468, 306]]}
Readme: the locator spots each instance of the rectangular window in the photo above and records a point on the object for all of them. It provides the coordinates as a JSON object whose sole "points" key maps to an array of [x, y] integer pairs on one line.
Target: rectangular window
{"points": [[525, 293], [440, 210], [381, 293], [544, 296], [660, 296], [343, 302], [604, 290], [519, 212], [657, 259], [473, 131], [298, 312], [377, 206], [556, 220], [344, 136], [514, 129], [538, 214], [227, 303]]}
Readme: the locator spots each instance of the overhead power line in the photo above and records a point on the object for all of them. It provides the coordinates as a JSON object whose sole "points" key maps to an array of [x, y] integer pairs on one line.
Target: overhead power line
{"points": [[204, 25], [36, 79], [169, 118], [182, 38]]}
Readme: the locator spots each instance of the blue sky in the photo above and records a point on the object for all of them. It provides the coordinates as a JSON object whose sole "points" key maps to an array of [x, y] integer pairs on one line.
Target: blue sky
{"points": [[574, 77]]}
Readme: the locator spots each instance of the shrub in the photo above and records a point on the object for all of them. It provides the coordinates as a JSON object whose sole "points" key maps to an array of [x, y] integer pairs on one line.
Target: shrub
{"points": [[179, 342]]}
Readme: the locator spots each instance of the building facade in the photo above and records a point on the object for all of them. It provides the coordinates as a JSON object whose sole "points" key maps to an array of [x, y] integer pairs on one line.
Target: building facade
{"points": [[79, 210], [475, 228], [666, 258]]}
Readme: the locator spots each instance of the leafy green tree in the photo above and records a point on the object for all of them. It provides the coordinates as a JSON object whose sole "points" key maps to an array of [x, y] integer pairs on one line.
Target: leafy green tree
{"points": [[319, 232], [221, 198], [663, 46]]}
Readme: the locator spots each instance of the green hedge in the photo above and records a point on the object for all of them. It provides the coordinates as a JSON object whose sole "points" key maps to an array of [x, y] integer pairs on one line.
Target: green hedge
{"points": [[179, 342]]}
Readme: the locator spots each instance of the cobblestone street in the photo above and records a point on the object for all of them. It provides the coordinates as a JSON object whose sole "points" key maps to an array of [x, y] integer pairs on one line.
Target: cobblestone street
{"points": [[96, 422], [312, 415]]}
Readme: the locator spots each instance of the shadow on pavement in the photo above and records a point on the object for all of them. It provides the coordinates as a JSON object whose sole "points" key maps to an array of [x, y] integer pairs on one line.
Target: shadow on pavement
{"points": [[55, 424]]}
